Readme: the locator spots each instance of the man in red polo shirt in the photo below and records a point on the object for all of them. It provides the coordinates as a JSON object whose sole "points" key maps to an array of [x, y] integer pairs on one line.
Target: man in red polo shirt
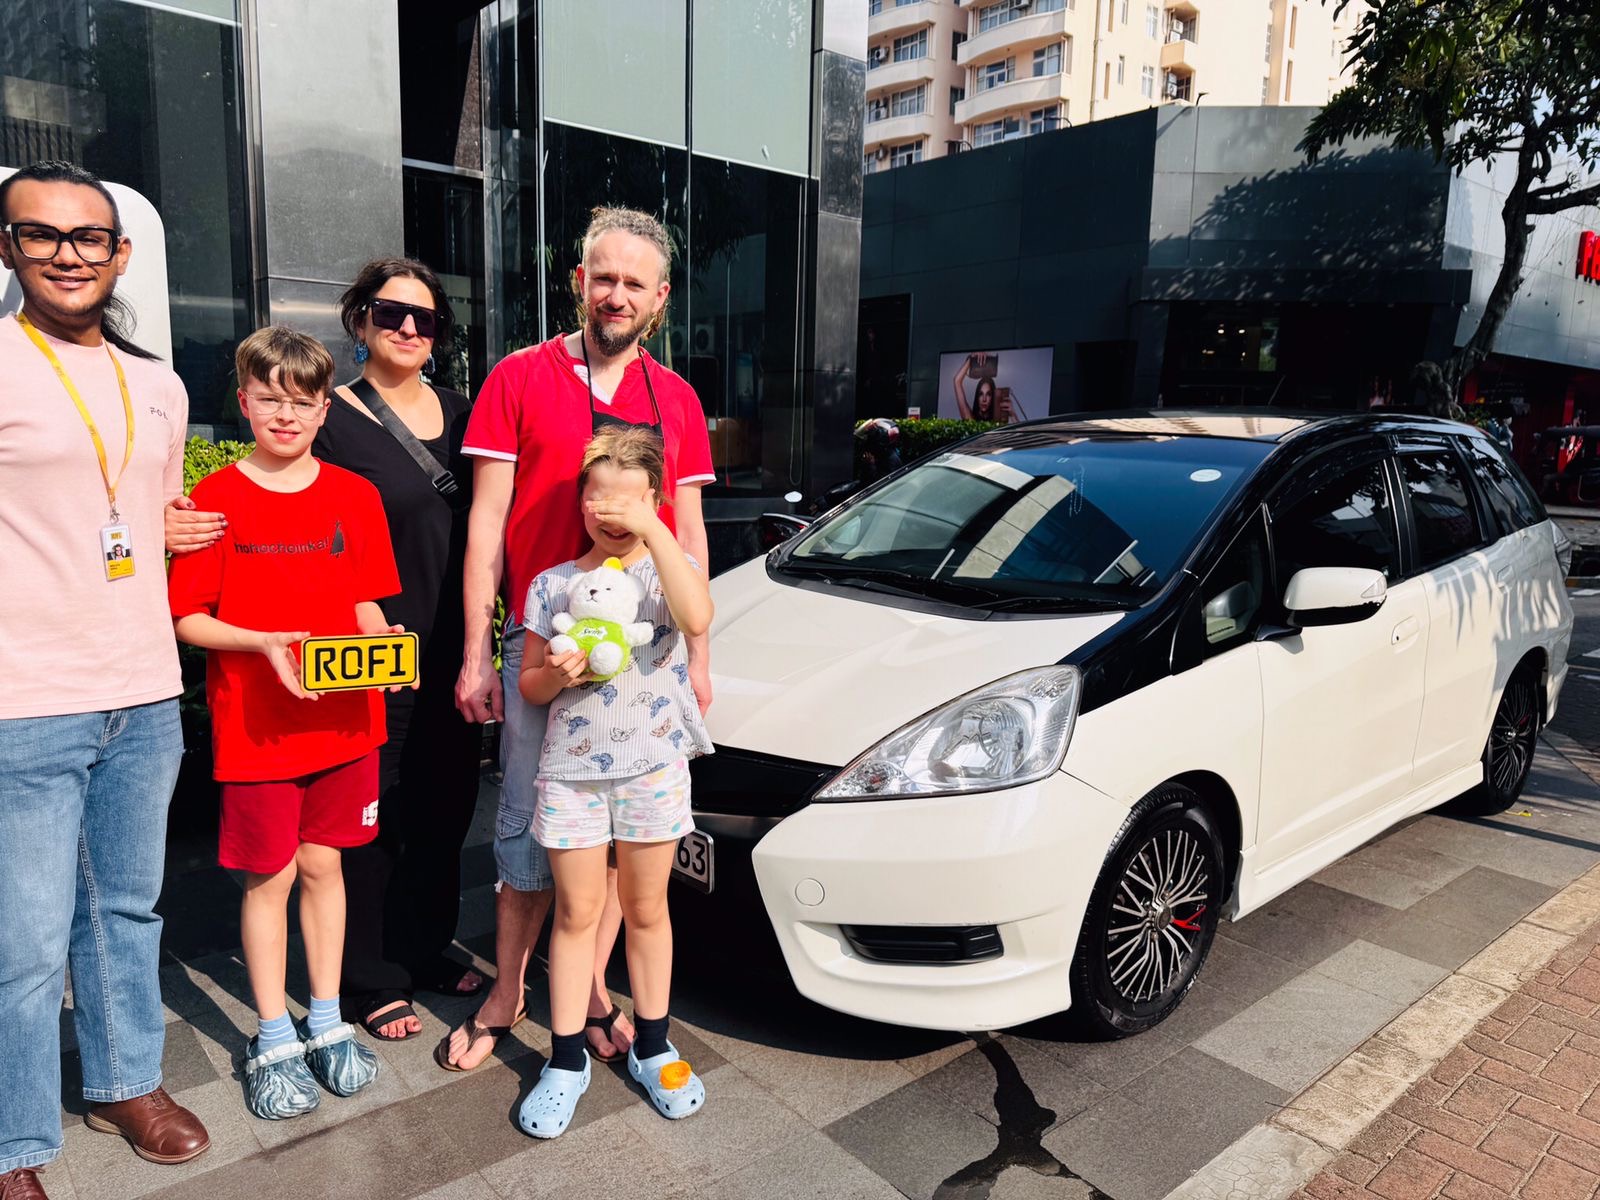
{"points": [[536, 412]]}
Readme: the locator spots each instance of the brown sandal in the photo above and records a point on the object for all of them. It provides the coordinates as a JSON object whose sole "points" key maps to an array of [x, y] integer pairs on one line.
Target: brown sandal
{"points": [[475, 1034], [605, 1025]]}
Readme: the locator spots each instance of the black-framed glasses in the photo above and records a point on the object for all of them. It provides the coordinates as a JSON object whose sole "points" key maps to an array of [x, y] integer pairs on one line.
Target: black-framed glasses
{"points": [[95, 244], [391, 314]]}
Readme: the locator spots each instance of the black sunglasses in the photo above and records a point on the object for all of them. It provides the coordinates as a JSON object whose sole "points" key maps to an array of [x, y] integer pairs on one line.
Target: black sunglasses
{"points": [[391, 314]]}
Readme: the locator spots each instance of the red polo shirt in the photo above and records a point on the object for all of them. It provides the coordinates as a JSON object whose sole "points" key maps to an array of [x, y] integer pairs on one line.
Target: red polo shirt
{"points": [[533, 411]]}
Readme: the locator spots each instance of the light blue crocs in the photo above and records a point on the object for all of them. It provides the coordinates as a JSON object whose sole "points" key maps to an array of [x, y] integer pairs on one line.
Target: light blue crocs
{"points": [[277, 1085], [547, 1111], [341, 1064], [674, 1103]]}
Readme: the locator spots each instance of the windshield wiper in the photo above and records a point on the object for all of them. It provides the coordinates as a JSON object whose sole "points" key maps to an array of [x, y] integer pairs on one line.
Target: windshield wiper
{"points": [[895, 581], [1056, 604]]}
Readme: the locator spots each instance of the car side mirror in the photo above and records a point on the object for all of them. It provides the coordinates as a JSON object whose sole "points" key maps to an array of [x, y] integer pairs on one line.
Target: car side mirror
{"points": [[1334, 595]]}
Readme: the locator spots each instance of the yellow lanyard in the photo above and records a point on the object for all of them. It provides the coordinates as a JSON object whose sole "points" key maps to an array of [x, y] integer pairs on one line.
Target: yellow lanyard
{"points": [[83, 410]]}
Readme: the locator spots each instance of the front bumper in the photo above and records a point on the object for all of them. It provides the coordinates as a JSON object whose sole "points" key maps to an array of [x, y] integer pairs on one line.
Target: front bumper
{"points": [[1023, 860]]}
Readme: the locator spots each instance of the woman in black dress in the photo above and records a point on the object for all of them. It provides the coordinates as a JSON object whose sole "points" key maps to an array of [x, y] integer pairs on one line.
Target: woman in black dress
{"points": [[403, 890]]}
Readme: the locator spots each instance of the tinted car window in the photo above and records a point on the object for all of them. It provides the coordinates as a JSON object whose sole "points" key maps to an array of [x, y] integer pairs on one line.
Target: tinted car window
{"points": [[1348, 522], [1510, 495], [1032, 515], [1441, 507], [1231, 599]]}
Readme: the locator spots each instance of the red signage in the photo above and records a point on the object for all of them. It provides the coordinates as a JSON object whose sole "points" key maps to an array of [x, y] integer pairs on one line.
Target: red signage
{"points": [[1589, 256]]}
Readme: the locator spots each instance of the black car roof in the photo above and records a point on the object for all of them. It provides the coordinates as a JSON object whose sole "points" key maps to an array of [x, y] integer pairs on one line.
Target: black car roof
{"points": [[1249, 424]]}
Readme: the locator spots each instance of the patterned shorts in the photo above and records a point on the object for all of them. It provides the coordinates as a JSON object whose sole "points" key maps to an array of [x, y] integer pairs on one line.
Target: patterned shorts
{"points": [[574, 814]]}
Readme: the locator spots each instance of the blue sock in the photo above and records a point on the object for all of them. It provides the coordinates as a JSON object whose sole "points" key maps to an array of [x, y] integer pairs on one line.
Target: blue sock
{"points": [[324, 1016], [274, 1033]]}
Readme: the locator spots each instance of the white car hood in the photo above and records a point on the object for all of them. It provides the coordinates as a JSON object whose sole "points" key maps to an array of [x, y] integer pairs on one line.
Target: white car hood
{"points": [[820, 677]]}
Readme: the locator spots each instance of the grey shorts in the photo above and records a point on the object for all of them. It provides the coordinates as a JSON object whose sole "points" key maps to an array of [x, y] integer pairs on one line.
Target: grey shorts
{"points": [[521, 862]]}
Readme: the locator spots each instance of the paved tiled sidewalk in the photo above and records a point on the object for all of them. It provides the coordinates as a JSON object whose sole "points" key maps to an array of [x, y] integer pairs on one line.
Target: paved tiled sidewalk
{"points": [[804, 1102], [1513, 1111]]}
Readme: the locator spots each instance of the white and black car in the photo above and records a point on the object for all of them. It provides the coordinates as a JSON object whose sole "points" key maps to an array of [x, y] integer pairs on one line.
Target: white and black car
{"points": [[1012, 730]]}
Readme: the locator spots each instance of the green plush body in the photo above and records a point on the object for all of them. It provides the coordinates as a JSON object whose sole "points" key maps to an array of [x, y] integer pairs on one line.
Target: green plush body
{"points": [[590, 632]]}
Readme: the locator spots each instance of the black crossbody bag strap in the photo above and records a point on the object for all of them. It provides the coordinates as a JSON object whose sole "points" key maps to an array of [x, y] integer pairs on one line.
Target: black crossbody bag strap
{"points": [[443, 481]]}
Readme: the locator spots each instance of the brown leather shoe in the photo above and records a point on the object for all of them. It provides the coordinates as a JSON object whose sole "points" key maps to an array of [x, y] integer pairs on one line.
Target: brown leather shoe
{"points": [[159, 1128], [22, 1184]]}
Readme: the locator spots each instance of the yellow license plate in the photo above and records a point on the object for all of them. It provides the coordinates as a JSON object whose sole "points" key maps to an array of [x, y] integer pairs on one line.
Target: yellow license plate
{"points": [[344, 664]]}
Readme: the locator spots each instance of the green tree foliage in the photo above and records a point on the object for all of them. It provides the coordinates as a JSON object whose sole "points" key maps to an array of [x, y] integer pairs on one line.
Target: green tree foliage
{"points": [[1472, 80]]}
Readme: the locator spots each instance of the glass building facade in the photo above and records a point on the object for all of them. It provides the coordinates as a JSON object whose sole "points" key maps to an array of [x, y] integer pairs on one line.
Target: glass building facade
{"points": [[284, 142]]}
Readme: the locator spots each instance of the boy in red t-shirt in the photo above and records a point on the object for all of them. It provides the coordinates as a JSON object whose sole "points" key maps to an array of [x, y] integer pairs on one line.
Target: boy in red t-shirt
{"points": [[306, 553]]}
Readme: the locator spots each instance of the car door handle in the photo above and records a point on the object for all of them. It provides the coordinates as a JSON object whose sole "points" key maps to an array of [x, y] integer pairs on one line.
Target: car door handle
{"points": [[1404, 631], [1503, 576]]}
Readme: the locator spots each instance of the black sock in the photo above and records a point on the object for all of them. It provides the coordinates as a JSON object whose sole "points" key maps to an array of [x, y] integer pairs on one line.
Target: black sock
{"points": [[566, 1051], [651, 1038]]}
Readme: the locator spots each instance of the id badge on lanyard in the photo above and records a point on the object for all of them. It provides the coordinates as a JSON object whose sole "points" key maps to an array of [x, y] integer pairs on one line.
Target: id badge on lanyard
{"points": [[116, 539]]}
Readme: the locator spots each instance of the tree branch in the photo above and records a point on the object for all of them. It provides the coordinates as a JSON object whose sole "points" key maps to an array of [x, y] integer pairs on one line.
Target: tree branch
{"points": [[1550, 201]]}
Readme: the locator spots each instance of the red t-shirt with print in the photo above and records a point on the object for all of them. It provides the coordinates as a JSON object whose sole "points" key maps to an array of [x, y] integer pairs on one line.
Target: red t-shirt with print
{"points": [[533, 410], [288, 561]]}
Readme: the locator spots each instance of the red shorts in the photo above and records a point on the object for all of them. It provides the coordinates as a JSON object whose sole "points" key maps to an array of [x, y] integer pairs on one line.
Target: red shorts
{"points": [[263, 824]]}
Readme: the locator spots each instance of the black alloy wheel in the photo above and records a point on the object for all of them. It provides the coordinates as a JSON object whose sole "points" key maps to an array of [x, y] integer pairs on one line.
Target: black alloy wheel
{"points": [[1152, 917], [1508, 754]]}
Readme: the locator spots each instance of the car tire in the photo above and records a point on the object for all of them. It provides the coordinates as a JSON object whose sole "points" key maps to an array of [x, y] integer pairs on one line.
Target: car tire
{"points": [[1508, 753], [1133, 968]]}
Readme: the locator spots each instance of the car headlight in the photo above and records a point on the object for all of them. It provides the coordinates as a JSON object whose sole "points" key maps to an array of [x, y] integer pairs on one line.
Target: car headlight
{"points": [[1009, 732]]}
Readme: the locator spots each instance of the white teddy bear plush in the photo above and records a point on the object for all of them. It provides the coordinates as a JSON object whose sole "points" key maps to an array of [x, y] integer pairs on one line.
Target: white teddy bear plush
{"points": [[601, 605]]}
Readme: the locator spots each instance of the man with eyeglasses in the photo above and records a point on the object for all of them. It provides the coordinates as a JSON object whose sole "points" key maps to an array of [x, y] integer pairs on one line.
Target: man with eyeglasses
{"points": [[91, 452]]}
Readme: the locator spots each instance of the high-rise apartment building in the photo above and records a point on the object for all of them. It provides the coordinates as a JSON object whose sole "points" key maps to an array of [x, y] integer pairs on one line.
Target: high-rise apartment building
{"points": [[948, 75]]}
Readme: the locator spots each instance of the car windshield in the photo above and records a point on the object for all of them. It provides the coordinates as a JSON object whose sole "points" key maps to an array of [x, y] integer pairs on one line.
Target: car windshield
{"points": [[1033, 518]]}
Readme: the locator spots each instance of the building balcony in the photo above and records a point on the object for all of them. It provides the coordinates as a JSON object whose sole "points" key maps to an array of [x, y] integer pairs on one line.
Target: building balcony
{"points": [[896, 20], [1184, 10], [1024, 93], [1178, 55], [1019, 36], [899, 129], [894, 76]]}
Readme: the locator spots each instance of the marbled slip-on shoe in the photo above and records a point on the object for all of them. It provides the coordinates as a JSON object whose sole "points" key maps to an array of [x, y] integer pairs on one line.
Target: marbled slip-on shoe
{"points": [[277, 1084], [341, 1064]]}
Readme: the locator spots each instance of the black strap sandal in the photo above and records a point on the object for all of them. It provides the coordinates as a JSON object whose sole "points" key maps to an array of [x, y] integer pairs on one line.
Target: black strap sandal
{"points": [[446, 978], [374, 1022], [605, 1024]]}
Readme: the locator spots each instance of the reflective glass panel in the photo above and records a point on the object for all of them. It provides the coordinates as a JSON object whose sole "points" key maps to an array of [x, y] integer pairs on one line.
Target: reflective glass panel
{"points": [[444, 228], [745, 350], [752, 81], [623, 69]]}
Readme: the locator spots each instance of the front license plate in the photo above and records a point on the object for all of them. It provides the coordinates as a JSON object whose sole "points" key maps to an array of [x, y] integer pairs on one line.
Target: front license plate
{"points": [[344, 664], [694, 864]]}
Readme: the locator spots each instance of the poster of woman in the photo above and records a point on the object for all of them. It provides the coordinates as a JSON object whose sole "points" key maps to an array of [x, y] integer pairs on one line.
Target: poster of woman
{"points": [[995, 385]]}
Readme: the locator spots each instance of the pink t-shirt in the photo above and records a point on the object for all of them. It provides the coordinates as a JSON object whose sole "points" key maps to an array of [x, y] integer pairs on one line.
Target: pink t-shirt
{"points": [[72, 641]]}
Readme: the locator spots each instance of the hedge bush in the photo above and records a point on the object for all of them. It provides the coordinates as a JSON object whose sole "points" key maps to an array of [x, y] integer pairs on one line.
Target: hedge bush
{"points": [[201, 458], [918, 438]]}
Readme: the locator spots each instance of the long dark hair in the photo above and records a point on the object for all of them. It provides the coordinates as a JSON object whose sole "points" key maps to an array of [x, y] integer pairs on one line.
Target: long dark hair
{"points": [[370, 280], [116, 318], [994, 400]]}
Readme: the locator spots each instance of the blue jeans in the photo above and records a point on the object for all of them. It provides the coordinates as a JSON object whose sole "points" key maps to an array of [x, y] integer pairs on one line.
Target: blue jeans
{"points": [[520, 861], [83, 832]]}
